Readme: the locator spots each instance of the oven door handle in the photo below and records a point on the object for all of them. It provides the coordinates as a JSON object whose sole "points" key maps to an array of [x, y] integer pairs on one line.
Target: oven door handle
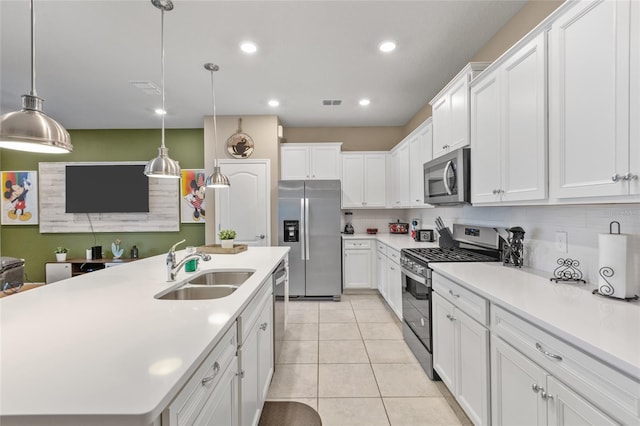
{"points": [[415, 277]]}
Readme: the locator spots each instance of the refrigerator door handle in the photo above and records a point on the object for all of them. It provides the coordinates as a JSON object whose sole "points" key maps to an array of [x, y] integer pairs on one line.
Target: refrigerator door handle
{"points": [[306, 227], [302, 229]]}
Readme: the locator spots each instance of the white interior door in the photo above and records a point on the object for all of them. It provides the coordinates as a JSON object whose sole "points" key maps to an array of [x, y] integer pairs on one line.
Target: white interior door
{"points": [[245, 206]]}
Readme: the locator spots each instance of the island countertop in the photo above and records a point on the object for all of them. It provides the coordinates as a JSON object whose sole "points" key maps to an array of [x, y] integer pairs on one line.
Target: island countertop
{"points": [[99, 348]]}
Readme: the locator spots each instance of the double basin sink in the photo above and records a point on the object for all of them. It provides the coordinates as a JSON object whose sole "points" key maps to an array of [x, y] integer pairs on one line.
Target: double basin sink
{"points": [[210, 285]]}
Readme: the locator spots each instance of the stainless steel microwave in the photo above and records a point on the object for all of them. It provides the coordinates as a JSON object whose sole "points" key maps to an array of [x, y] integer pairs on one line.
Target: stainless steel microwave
{"points": [[447, 179]]}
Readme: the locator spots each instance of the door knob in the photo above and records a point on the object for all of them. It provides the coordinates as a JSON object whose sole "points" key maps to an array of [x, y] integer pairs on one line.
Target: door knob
{"points": [[261, 236]]}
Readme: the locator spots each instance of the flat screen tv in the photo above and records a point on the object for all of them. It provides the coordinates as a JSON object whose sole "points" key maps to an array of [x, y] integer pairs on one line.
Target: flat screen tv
{"points": [[109, 188]]}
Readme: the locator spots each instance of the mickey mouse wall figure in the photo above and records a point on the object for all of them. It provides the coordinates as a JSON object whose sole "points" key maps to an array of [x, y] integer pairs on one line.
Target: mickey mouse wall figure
{"points": [[195, 198], [17, 195]]}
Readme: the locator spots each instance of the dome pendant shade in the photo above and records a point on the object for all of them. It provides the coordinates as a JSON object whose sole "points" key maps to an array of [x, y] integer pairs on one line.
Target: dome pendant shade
{"points": [[30, 129], [162, 166], [217, 179]]}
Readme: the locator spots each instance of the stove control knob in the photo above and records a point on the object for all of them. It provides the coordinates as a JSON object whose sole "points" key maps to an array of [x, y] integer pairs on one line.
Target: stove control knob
{"points": [[419, 269]]}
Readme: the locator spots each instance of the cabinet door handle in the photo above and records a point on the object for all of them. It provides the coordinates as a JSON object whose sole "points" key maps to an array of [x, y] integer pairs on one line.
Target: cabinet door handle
{"points": [[453, 294], [549, 354], [392, 268], [535, 387], [451, 317], [216, 370], [545, 396], [629, 176], [616, 177], [263, 326]]}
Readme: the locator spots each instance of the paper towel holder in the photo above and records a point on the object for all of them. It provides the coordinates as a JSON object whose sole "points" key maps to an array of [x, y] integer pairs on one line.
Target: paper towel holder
{"points": [[606, 272]]}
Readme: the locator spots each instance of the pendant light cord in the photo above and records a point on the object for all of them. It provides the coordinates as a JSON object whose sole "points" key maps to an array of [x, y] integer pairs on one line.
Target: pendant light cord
{"points": [[164, 112], [33, 52], [215, 125]]}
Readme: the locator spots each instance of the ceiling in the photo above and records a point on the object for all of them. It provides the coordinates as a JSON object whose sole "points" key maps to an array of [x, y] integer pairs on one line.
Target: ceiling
{"points": [[88, 52]]}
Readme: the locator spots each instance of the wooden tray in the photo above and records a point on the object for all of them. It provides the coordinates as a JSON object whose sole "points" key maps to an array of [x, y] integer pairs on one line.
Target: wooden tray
{"points": [[217, 249]]}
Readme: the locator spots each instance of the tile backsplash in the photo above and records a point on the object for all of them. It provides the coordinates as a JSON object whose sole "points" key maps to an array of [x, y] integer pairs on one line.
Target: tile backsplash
{"points": [[582, 224]]}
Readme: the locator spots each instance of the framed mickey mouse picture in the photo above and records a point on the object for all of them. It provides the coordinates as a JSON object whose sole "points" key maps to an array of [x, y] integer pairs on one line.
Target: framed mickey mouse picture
{"points": [[20, 198], [192, 190]]}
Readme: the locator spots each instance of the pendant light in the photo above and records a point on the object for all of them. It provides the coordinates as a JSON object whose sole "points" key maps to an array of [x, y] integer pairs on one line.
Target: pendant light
{"points": [[30, 129], [162, 166], [216, 179]]}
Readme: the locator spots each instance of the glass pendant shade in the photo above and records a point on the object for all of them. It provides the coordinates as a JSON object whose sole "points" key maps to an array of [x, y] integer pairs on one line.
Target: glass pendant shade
{"points": [[30, 129], [162, 166], [217, 179]]}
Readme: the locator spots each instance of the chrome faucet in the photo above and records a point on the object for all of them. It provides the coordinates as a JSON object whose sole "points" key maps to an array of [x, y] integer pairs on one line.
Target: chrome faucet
{"points": [[173, 268]]}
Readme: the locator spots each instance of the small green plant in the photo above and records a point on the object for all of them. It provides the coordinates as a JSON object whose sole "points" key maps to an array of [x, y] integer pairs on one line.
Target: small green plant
{"points": [[60, 250], [227, 234]]}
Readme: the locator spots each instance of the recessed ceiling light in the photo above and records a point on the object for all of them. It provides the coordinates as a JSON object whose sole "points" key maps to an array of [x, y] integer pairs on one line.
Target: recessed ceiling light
{"points": [[274, 103], [160, 111], [387, 46], [364, 102], [248, 47]]}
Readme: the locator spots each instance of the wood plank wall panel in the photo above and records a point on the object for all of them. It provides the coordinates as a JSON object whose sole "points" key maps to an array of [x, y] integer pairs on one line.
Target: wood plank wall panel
{"points": [[163, 216]]}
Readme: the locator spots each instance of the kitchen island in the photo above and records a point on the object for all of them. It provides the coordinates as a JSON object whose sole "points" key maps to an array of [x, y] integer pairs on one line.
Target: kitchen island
{"points": [[100, 349]]}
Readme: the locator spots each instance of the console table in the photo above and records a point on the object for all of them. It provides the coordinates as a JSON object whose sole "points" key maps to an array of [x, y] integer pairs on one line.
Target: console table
{"points": [[56, 271]]}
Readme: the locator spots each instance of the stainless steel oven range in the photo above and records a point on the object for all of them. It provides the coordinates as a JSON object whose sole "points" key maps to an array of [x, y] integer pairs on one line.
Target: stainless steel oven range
{"points": [[473, 244]]}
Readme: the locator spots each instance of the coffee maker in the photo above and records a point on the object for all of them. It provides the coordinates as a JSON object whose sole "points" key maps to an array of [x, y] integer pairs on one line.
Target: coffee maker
{"points": [[348, 228]]}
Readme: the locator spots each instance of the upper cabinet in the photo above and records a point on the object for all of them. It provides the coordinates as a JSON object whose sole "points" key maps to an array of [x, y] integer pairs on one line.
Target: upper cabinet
{"points": [[451, 111], [364, 179], [508, 126], [592, 46], [304, 161], [400, 179], [420, 151]]}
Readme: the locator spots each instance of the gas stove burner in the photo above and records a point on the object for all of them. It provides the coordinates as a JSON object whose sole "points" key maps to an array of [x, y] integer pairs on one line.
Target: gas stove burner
{"points": [[448, 255]]}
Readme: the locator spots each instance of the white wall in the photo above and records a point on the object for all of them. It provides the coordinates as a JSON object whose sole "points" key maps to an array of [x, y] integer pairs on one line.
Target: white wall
{"points": [[581, 223]]}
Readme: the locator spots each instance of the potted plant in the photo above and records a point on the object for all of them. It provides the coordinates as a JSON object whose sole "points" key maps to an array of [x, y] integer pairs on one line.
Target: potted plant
{"points": [[61, 253], [227, 237]]}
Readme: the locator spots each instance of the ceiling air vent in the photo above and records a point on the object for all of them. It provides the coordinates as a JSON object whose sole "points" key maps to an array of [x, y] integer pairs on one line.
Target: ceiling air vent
{"points": [[147, 87], [332, 102]]}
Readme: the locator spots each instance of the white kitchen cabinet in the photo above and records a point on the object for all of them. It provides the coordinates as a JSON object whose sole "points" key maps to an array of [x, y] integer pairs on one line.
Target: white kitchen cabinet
{"points": [[394, 282], [211, 391], [358, 264], [364, 179], [634, 142], [303, 161], [461, 357], [256, 355], [451, 111], [523, 393], [420, 151], [508, 126], [381, 268], [221, 408], [589, 64], [400, 175]]}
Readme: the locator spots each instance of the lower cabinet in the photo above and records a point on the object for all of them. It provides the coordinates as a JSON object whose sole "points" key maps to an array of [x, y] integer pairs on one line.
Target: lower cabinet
{"points": [[358, 264], [381, 268], [523, 393], [256, 362], [230, 386], [461, 358], [394, 282]]}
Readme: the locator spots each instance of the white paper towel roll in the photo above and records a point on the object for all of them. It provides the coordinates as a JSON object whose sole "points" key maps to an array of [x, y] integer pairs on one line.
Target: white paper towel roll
{"points": [[615, 266]]}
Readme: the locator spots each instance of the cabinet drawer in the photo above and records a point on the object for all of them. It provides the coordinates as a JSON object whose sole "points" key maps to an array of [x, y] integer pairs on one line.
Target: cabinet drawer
{"points": [[251, 313], [381, 248], [187, 405], [612, 391], [357, 244], [477, 307], [393, 255]]}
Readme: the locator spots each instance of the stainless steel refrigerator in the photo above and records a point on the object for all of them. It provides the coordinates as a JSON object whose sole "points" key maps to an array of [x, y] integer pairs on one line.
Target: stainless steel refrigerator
{"points": [[309, 223]]}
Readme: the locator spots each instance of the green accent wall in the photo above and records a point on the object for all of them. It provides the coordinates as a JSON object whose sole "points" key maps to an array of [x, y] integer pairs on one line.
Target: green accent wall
{"points": [[26, 241]]}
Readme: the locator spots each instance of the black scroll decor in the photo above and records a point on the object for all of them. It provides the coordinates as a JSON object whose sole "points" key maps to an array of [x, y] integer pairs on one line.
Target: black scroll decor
{"points": [[567, 271]]}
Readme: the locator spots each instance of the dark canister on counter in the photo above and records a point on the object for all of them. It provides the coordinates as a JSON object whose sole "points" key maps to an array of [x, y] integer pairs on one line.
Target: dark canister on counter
{"points": [[134, 252]]}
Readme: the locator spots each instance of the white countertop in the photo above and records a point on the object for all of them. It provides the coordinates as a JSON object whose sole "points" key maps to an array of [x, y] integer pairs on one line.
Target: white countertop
{"points": [[397, 241], [608, 329], [100, 344]]}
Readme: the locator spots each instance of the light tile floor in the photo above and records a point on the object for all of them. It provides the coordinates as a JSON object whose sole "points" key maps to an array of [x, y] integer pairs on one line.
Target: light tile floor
{"points": [[348, 361]]}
